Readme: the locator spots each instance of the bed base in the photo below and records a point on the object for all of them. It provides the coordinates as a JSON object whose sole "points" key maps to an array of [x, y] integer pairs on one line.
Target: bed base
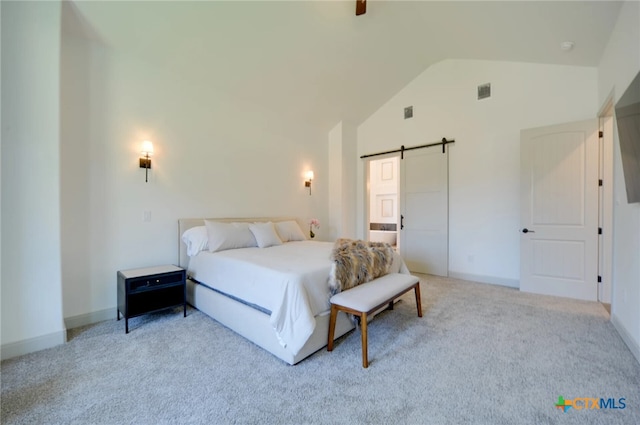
{"points": [[254, 325]]}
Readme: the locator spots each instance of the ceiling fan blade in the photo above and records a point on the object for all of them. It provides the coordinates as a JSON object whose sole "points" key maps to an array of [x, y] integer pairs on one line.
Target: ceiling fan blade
{"points": [[361, 7]]}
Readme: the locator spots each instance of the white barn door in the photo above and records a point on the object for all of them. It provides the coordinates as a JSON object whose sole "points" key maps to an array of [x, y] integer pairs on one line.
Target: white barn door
{"points": [[425, 210], [559, 210]]}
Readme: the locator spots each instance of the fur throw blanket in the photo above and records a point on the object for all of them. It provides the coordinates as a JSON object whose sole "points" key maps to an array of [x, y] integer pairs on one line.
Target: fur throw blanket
{"points": [[356, 261]]}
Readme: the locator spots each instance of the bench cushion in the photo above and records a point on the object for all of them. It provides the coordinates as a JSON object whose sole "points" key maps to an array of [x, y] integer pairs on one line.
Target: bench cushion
{"points": [[371, 294]]}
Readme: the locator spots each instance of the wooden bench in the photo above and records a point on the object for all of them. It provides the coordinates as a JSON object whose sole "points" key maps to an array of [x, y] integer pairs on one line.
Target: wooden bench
{"points": [[369, 297]]}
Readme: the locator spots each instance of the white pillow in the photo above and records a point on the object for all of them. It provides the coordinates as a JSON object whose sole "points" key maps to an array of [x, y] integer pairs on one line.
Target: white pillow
{"points": [[290, 231], [224, 236], [196, 239], [265, 234]]}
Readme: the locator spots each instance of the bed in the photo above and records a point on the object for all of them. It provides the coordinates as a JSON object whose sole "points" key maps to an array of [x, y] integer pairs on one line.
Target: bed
{"points": [[275, 294]]}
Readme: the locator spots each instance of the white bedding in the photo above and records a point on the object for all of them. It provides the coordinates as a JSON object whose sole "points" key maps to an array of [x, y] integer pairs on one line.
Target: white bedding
{"points": [[289, 280]]}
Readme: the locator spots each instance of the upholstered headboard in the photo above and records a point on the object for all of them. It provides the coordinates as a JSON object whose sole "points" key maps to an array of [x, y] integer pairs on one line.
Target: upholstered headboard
{"points": [[185, 224]]}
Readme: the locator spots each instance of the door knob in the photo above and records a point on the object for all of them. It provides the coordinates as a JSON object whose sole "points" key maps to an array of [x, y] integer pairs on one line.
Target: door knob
{"points": [[525, 230]]}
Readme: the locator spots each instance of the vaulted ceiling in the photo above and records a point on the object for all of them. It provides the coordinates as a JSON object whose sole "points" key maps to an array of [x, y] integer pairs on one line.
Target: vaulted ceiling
{"points": [[316, 58]]}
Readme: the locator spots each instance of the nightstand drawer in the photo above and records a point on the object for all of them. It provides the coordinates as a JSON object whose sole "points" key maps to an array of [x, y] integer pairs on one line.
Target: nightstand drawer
{"points": [[148, 282]]}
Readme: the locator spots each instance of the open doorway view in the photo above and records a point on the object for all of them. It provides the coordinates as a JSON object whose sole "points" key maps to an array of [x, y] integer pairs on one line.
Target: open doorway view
{"points": [[384, 192]]}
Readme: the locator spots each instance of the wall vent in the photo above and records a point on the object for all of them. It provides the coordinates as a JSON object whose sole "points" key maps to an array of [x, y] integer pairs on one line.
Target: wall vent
{"points": [[484, 91], [408, 112]]}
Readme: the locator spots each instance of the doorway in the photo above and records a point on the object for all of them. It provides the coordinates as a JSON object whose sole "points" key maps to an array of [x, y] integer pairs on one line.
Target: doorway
{"points": [[559, 210], [384, 191], [566, 210], [407, 206]]}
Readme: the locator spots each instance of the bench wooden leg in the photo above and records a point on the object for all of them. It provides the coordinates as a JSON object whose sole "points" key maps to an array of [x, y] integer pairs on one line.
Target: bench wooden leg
{"points": [[362, 316], [363, 329], [418, 299], [332, 327]]}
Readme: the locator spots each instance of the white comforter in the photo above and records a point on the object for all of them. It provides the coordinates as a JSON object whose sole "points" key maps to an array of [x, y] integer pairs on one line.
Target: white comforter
{"points": [[290, 280]]}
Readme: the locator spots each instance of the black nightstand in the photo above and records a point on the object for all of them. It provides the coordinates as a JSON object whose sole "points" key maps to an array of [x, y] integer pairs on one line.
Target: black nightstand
{"points": [[150, 289]]}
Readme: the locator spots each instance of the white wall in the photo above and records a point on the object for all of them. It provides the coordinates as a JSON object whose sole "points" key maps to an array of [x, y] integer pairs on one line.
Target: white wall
{"points": [[484, 167], [31, 276], [619, 65], [342, 181], [336, 209], [82, 178], [215, 156]]}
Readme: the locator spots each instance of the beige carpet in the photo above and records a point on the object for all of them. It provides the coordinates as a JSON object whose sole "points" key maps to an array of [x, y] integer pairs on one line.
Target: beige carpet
{"points": [[481, 354]]}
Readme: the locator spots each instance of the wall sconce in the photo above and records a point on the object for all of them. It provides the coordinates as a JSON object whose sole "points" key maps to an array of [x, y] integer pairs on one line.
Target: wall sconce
{"points": [[309, 178], [145, 162]]}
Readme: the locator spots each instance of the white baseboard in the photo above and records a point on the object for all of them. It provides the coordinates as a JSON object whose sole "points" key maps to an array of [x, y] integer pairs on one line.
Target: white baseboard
{"points": [[19, 348], [31, 345], [626, 337], [512, 283], [90, 318]]}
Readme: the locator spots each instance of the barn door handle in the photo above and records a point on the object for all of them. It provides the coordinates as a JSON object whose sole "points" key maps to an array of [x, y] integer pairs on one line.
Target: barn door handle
{"points": [[401, 222], [525, 230]]}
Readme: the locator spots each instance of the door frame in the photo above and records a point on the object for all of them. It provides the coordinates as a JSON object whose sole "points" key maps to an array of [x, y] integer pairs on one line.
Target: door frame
{"points": [[605, 201]]}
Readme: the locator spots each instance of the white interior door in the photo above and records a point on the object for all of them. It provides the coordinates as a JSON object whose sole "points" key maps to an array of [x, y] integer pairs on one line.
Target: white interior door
{"points": [[559, 210], [425, 211]]}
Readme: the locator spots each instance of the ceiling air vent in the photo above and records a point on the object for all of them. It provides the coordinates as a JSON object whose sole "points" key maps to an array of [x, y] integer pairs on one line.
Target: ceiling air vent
{"points": [[484, 91], [408, 112]]}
